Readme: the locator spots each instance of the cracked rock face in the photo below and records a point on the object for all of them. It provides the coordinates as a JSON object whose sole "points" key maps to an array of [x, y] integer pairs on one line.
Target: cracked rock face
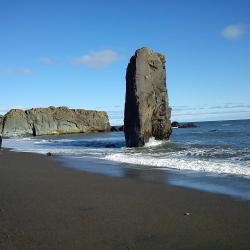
{"points": [[47, 121], [147, 112]]}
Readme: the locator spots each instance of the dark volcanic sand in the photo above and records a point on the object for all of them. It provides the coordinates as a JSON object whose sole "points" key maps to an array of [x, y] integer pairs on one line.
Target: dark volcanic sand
{"points": [[46, 206]]}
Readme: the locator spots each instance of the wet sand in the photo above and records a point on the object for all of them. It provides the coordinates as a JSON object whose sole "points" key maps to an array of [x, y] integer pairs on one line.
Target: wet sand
{"points": [[44, 205]]}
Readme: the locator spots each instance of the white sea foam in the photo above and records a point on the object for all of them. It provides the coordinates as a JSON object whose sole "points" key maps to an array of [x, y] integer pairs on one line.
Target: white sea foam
{"points": [[41, 141], [95, 153], [153, 142], [219, 167], [219, 160], [43, 146], [24, 139]]}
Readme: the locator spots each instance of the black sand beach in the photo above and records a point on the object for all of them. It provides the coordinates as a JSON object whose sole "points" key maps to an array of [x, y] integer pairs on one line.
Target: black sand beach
{"points": [[44, 205]]}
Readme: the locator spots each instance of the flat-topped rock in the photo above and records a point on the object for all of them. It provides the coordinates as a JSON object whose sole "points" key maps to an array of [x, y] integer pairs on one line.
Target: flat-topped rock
{"points": [[47, 121], [147, 111]]}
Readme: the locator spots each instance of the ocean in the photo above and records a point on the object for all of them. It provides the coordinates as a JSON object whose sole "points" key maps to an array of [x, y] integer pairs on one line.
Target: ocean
{"points": [[213, 157]]}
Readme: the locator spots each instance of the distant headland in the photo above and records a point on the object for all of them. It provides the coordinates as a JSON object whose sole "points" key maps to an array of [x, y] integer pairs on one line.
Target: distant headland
{"points": [[52, 120]]}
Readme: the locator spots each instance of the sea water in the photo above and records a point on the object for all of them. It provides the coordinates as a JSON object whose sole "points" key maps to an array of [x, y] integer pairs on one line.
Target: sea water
{"points": [[214, 157]]}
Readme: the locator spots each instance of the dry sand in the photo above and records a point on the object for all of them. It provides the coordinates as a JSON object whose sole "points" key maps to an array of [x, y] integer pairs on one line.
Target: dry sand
{"points": [[44, 205]]}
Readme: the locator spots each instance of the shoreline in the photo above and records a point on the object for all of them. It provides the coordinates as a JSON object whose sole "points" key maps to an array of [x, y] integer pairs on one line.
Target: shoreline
{"points": [[48, 206], [204, 182], [215, 184]]}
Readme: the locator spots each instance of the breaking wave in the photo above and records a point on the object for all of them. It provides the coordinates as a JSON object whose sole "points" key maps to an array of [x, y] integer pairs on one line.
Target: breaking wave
{"points": [[171, 162], [213, 147]]}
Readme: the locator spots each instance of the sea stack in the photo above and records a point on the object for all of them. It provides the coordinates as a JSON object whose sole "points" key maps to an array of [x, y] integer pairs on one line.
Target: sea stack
{"points": [[147, 112]]}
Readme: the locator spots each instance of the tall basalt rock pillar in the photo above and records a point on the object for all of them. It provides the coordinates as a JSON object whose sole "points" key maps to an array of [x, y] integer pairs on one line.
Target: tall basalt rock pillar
{"points": [[147, 112]]}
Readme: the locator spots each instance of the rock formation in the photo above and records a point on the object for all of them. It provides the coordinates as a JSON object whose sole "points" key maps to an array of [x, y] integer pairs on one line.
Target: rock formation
{"points": [[47, 121], [185, 125], [116, 128], [1, 123], [147, 112]]}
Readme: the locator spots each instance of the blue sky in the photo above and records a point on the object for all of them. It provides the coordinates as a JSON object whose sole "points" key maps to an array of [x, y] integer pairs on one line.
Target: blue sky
{"points": [[75, 53]]}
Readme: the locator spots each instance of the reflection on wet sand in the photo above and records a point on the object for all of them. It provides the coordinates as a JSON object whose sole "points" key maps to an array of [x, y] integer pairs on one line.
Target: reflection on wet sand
{"points": [[213, 184]]}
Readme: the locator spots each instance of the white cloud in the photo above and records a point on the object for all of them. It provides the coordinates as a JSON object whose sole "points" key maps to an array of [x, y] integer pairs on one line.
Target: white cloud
{"points": [[211, 112], [6, 71], [47, 60], [224, 111], [13, 71], [25, 70], [97, 59], [234, 32]]}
